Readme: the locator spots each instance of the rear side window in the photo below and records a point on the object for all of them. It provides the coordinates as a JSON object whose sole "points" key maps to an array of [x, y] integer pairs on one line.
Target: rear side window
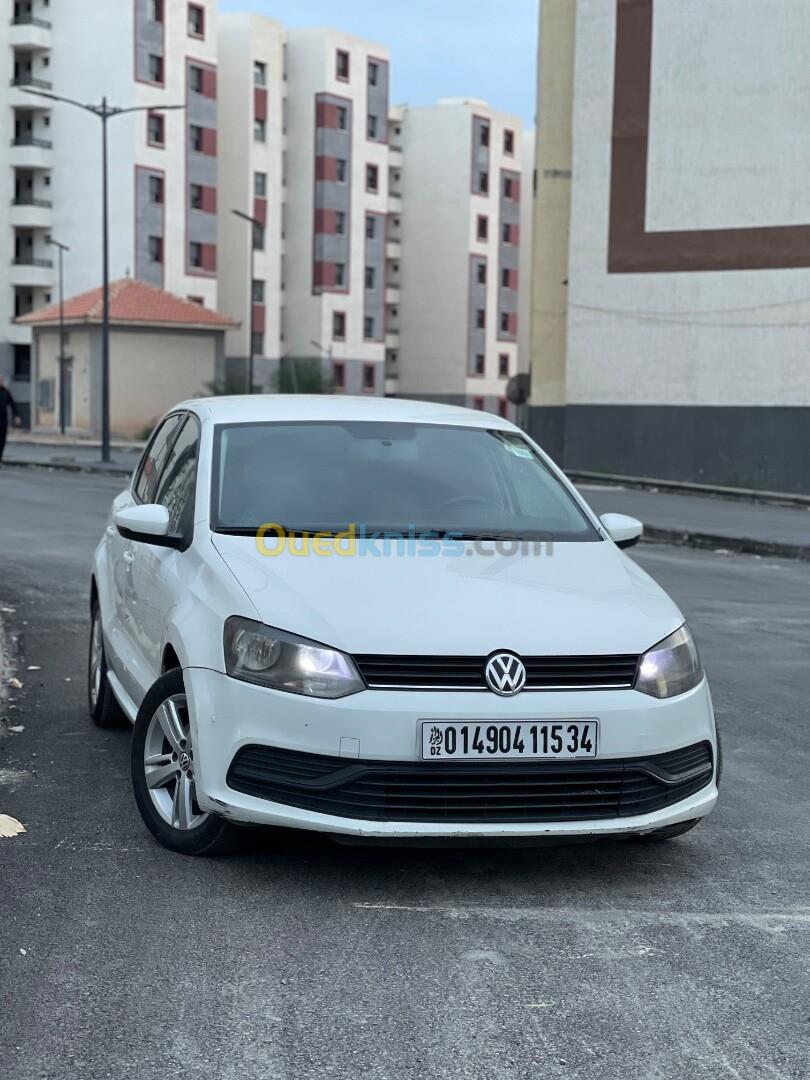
{"points": [[176, 487], [155, 458]]}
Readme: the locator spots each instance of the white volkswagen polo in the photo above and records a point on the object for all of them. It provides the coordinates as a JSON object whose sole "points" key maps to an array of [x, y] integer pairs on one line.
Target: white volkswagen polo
{"points": [[388, 619]]}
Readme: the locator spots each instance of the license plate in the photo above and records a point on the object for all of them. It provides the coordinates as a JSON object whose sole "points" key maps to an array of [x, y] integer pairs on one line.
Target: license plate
{"points": [[561, 740]]}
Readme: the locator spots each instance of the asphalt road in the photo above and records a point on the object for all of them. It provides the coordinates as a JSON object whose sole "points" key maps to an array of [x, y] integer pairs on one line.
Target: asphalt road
{"points": [[301, 959]]}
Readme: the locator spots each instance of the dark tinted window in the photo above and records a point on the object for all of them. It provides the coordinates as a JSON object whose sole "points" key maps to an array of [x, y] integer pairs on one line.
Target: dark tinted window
{"points": [[176, 486], [326, 476], [155, 458]]}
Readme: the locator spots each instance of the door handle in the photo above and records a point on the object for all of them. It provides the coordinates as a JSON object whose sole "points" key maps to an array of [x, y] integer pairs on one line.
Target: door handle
{"points": [[129, 556]]}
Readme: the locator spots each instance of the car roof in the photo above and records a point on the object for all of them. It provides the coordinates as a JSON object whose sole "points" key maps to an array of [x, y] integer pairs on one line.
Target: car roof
{"points": [[244, 409]]}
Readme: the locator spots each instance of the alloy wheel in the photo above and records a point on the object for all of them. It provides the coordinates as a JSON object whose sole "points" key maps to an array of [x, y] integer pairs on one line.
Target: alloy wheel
{"points": [[168, 762]]}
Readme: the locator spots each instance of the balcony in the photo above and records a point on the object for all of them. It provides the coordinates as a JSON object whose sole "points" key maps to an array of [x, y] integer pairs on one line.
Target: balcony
{"points": [[29, 32], [31, 270], [395, 157], [394, 203], [392, 336], [392, 295], [28, 212], [31, 152]]}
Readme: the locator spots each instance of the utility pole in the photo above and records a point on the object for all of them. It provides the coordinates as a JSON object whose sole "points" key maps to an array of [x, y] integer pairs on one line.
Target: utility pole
{"points": [[104, 112], [62, 248]]}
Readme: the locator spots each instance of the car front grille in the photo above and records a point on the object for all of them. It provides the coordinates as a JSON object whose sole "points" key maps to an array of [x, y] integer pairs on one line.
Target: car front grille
{"points": [[505, 791], [613, 672]]}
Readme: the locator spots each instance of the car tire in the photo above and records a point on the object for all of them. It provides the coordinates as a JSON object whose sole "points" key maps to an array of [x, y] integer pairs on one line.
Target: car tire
{"points": [[163, 774], [105, 712]]}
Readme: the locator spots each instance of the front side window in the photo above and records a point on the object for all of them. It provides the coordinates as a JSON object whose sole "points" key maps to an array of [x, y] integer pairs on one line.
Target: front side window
{"points": [[155, 457], [389, 476], [175, 488]]}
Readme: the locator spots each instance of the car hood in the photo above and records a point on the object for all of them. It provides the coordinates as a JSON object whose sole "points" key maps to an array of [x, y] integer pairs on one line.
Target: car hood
{"points": [[585, 598]]}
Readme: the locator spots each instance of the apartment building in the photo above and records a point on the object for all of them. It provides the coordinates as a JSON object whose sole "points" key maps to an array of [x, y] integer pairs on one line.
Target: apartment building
{"points": [[456, 248], [142, 55], [252, 110]]}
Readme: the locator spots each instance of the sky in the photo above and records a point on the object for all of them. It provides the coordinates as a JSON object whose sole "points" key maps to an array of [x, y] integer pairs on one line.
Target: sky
{"points": [[439, 48]]}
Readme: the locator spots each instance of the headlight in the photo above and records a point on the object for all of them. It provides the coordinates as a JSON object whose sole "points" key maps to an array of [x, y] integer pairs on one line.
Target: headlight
{"points": [[671, 667], [260, 654]]}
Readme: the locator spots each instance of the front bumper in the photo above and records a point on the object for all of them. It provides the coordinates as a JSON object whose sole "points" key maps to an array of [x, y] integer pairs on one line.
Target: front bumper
{"points": [[383, 726]]}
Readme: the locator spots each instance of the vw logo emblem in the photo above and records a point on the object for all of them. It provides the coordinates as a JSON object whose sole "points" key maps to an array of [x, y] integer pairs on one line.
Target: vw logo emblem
{"points": [[505, 674]]}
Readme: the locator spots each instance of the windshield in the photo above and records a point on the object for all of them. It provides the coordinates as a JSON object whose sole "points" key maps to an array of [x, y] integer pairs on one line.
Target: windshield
{"points": [[388, 477]]}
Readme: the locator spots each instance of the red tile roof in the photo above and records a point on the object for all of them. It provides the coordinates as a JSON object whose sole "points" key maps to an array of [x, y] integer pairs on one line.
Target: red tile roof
{"points": [[131, 301]]}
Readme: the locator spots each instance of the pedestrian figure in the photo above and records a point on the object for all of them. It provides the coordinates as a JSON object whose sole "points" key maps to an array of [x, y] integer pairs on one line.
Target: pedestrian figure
{"points": [[6, 402]]}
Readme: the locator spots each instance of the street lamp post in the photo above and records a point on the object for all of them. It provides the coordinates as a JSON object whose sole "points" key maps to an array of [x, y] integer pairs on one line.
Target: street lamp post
{"points": [[327, 352], [254, 224], [103, 112], [62, 248]]}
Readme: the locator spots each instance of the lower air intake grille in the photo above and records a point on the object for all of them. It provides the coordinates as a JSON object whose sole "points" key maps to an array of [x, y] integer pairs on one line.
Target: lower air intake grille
{"points": [[471, 792]]}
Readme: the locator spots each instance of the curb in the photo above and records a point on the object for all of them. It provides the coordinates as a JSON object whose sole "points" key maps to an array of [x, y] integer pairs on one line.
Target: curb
{"points": [[714, 542], [684, 487], [64, 466]]}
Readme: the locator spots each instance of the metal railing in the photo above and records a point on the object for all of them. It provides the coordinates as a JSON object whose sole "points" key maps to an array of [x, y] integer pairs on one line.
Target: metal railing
{"points": [[30, 20], [29, 200], [30, 260], [32, 140], [31, 80]]}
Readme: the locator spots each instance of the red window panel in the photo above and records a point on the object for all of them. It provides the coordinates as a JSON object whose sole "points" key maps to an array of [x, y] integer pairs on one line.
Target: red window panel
{"points": [[209, 142], [514, 234], [326, 114], [325, 221], [259, 318], [324, 274], [209, 200], [209, 82], [516, 189], [511, 323], [326, 168], [260, 210], [209, 257], [260, 103], [478, 403], [503, 408], [511, 281]]}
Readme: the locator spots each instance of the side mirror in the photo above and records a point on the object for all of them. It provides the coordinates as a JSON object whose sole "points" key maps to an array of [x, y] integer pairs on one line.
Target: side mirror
{"points": [[148, 524], [624, 531]]}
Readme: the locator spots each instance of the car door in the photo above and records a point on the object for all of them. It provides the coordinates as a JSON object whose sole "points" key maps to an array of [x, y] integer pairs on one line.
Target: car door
{"points": [[158, 571], [126, 659]]}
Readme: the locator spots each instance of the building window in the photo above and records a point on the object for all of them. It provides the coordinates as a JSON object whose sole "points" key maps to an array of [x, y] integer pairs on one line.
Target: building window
{"points": [[371, 227], [195, 255], [478, 403], [340, 274], [507, 187], [156, 249], [258, 291], [342, 117], [257, 342], [373, 73], [479, 363], [340, 222], [155, 68], [258, 236], [196, 21], [22, 363], [155, 10], [483, 183], [506, 232], [260, 129], [369, 377], [259, 73], [195, 78], [504, 322], [339, 325], [260, 184], [481, 273], [368, 327], [339, 376], [196, 136], [482, 229], [369, 277], [508, 141], [341, 170], [196, 196], [371, 129], [503, 408], [198, 300], [506, 277], [484, 134], [372, 178], [156, 129], [480, 319], [342, 65], [503, 365], [156, 189]]}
